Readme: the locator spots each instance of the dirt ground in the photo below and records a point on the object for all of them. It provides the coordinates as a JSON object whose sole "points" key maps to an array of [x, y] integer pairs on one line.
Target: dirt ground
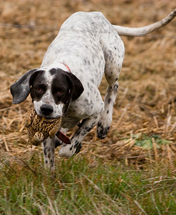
{"points": [[145, 108]]}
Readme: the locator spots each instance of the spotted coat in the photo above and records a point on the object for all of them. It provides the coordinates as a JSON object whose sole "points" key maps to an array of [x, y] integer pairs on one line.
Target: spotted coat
{"points": [[86, 47]]}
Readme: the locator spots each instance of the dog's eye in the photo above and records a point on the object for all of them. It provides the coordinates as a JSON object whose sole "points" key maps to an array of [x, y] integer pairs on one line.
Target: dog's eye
{"points": [[39, 90], [60, 93]]}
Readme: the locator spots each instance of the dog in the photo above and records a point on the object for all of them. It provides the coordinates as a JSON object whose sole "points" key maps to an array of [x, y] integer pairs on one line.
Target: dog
{"points": [[66, 84]]}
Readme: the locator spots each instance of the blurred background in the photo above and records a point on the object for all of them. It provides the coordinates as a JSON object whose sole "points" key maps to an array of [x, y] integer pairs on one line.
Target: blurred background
{"points": [[145, 110]]}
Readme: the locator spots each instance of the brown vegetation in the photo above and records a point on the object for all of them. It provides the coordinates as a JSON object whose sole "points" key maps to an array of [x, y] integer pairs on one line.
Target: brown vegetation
{"points": [[145, 108]]}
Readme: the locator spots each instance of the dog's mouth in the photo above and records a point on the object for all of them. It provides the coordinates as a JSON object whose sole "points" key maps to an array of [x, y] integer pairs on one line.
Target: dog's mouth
{"points": [[49, 116], [48, 111]]}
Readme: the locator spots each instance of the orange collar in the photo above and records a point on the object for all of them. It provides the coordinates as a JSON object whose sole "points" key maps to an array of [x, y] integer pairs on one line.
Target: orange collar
{"points": [[66, 66]]}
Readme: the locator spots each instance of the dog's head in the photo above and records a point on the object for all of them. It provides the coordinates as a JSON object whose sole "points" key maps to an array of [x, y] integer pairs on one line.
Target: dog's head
{"points": [[51, 91]]}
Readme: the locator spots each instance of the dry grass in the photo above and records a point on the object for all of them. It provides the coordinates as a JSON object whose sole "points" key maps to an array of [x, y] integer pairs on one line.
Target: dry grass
{"points": [[145, 108]]}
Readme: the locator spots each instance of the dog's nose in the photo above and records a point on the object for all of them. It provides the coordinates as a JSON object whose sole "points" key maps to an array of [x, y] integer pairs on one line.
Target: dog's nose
{"points": [[46, 109]]}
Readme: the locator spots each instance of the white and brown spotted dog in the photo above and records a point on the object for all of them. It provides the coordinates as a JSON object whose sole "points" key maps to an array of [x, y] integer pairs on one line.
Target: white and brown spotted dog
{"points": [[66, 84]]}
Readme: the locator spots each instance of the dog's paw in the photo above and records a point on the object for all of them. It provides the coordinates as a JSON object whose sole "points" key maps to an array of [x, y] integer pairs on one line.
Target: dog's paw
{"points": [[102, 131], [69, 150], [66, 151]]}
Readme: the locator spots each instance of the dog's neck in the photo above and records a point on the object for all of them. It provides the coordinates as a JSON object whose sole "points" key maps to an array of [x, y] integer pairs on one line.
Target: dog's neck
{"points": [[59, 65]]}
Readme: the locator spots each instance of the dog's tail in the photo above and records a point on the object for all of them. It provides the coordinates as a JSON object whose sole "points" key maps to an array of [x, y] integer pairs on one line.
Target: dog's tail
{"points": [[141, 31]]}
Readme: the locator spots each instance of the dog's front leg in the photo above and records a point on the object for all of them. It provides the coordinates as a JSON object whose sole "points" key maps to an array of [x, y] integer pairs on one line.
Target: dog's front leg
{"points": [[84, 128], [48, 151]]}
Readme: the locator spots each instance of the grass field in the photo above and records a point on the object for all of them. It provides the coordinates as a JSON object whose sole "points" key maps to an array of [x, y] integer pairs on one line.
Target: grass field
{"points": [[132, 171], [86, 185]]}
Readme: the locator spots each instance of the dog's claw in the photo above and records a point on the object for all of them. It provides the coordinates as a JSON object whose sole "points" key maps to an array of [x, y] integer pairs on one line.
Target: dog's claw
{"points": [[101, 131]]}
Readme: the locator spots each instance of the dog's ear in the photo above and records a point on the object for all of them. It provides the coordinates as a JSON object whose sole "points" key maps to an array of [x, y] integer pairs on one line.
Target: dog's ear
{"points": [[77, 87], [21, 88]]}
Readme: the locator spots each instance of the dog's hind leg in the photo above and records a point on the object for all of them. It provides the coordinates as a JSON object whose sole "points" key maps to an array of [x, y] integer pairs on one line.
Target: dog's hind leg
{"points": [[114, 53]]}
